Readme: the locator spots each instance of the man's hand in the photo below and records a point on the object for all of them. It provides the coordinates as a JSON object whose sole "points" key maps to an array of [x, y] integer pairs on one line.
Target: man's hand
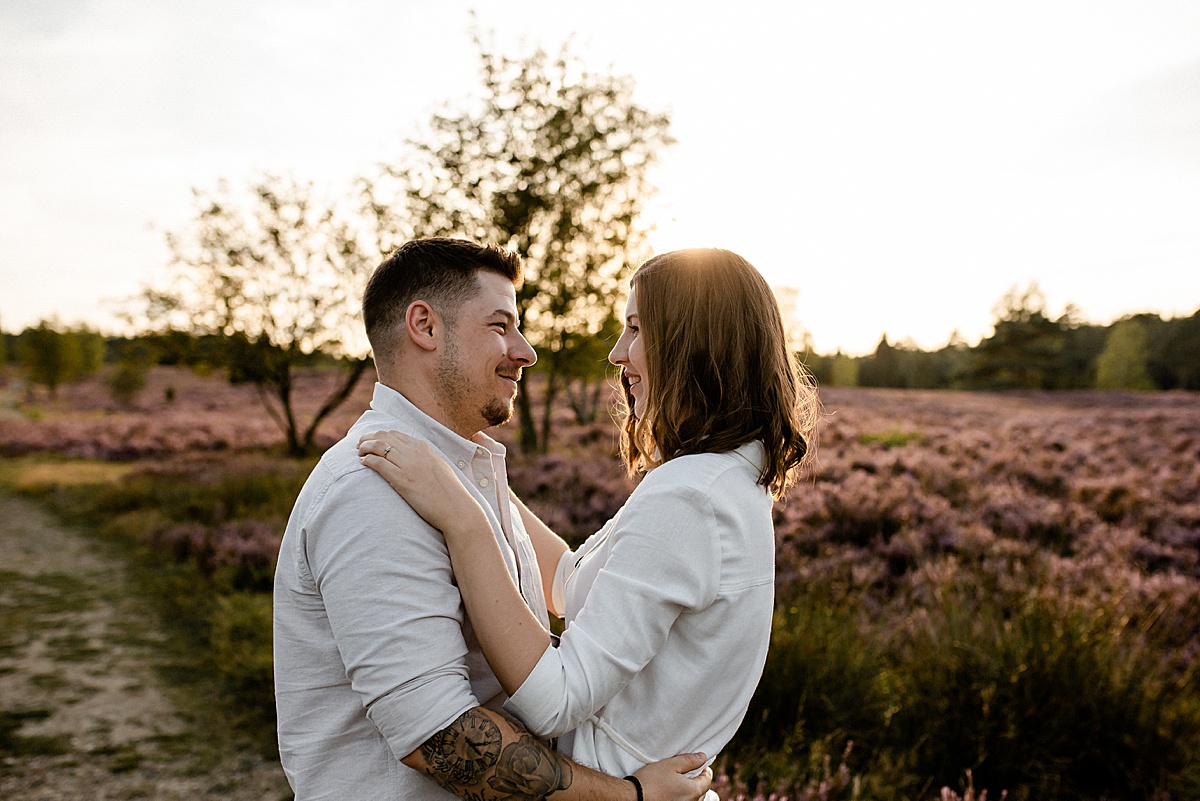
{"points": [[665, 780]]}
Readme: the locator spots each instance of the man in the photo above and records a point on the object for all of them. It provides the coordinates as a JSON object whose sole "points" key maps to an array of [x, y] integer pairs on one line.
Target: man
{"points": [[381, 689]]}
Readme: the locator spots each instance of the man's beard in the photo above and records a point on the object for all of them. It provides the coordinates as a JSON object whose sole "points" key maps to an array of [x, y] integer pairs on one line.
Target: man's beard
{"points": [[452, 381]]}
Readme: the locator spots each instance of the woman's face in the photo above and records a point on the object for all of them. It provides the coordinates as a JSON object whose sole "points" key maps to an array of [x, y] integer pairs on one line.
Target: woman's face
{"points": [[630, 355]]}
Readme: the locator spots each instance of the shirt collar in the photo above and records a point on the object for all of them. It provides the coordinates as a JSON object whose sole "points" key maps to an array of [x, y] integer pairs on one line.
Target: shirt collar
{"points": [[390, 402]]}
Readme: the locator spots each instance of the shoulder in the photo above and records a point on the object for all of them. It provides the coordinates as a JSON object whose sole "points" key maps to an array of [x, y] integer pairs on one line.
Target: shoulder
{"points": [[346, 494], [709, 473]]}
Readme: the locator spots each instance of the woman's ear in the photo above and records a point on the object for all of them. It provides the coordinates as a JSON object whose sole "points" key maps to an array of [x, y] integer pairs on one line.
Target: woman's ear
{"points": [[423, 325]]}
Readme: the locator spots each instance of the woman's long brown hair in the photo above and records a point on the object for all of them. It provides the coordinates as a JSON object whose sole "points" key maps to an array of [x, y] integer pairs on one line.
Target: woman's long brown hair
{"points": [[720, 370]]}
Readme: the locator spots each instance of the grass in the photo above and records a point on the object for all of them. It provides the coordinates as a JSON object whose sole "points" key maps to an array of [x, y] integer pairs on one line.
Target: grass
{"points": [[40, 473], [893, 438], [13, 744]]}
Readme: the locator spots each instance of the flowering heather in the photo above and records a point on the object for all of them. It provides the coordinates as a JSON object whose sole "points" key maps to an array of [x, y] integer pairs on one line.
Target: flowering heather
{"points": [[1006, 583], [178, 412]]}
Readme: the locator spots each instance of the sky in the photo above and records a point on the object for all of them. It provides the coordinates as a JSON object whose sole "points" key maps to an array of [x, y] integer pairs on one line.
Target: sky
{"points": [[896, 167]]}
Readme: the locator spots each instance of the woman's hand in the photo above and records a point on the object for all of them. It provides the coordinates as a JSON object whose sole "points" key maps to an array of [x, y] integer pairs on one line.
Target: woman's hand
{"points": [[665, 780], [421, 477]]}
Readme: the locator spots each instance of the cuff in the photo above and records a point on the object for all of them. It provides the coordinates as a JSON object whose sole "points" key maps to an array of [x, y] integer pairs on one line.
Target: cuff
{"points": [[558, 589], [536, 701]]}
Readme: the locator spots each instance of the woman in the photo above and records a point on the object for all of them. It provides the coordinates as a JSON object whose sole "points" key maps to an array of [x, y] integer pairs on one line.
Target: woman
{"points": [[668, 607]]}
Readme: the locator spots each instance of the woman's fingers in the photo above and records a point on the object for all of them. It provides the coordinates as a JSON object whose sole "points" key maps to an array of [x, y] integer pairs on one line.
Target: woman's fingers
{"points": [[386, 468]]}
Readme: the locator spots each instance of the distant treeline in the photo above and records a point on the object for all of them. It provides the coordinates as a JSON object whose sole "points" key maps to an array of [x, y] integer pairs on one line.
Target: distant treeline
{"points": [[1027, 350], [51, 356]]}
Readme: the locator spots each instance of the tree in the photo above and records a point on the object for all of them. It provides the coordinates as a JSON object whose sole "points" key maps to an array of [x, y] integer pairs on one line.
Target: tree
{"points": [[1174, 351], [279, 272], [128, 378], [1122, 364], [552, 161], [882, 368], [50, 357], [845, 372], [1024, 349]]}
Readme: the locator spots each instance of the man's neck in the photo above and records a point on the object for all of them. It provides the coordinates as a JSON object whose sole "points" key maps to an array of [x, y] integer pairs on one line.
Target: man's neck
{"points": [[427, 401]]}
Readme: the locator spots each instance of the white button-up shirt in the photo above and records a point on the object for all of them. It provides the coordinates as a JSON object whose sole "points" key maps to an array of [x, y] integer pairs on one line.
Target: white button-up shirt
{"points": [[668, 611], [373, 654]]}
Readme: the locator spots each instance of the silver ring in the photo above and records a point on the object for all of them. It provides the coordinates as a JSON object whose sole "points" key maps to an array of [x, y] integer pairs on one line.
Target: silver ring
{"points": [[385, 451]]}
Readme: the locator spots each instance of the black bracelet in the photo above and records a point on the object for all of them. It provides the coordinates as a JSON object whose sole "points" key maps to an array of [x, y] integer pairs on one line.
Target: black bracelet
{"points": [[637, 786]]}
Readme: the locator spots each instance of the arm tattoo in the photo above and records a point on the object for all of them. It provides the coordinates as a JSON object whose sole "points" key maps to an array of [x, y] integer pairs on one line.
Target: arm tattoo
{"points": [[463, 750], [528, 768], [471, 749]]}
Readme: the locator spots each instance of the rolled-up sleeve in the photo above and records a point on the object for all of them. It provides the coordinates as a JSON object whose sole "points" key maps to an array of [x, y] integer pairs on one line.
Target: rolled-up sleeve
{"points": [[384, 576], [664, 561]]}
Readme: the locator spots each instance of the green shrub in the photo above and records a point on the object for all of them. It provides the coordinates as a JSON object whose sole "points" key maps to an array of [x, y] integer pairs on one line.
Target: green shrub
{"points": [[126, 381], [823, 686], [240, 634], [892, 438], [1038, 700]]}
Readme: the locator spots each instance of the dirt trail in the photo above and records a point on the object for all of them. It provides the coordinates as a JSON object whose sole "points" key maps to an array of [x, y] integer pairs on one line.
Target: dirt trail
{"points": [[82, 712]]}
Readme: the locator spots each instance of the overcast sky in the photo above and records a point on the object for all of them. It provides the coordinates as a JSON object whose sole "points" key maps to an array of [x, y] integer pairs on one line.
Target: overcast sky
{"points": [[901, 165]]}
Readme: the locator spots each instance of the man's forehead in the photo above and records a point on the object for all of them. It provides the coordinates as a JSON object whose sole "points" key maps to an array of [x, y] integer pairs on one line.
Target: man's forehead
{"points": [[495, 294]]}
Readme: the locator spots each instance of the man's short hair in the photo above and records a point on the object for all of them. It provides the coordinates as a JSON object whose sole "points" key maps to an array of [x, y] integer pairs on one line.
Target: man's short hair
{"points": [[438, 270]]}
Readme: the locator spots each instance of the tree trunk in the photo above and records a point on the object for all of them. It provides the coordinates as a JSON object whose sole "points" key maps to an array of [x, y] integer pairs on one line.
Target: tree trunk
{"points": [[336, 399], [548, 409]]}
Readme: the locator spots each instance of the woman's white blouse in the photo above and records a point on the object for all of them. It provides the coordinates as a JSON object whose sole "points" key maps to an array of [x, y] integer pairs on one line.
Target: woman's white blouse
{"points": [[668, 617]]}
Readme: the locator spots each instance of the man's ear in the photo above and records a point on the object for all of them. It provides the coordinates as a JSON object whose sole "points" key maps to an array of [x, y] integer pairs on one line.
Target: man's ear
{"points": [[423, 325]]}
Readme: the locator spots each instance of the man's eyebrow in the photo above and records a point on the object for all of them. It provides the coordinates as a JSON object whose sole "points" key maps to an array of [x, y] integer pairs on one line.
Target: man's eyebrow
{"points": [[506, 314]]}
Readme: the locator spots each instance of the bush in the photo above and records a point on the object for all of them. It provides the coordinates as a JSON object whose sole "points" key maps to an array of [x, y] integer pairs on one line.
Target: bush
{"points": [[1041, 700], [823, 686]]}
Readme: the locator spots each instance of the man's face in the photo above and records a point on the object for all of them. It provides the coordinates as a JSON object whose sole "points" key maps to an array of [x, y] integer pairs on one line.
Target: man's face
{"points": [[482, 358]]}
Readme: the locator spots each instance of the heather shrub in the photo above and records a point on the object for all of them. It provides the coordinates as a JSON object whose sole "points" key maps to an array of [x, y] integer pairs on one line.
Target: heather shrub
{"points": [[812, 779], [1011, 592], [823, 686], [575, 496], [1039, 700]]}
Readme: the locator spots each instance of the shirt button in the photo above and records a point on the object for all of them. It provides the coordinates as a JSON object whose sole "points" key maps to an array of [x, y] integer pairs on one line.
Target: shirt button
{"points": [[462, 465], [483, 482]]}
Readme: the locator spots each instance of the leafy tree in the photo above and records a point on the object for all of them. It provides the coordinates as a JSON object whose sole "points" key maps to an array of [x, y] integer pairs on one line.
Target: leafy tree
{"points": [[92, 347], [882, 368], [1122, 365], [845, 371], [1024, 349], [129, 377], [50, 357], [552, 161], [585, 362], [281, 273], [1082, 345], [1174, 345]]}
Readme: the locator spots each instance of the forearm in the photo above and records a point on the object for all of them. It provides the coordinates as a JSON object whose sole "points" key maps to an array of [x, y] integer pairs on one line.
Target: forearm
{"points": [[486, 755], [548, 546], [511, 637]]}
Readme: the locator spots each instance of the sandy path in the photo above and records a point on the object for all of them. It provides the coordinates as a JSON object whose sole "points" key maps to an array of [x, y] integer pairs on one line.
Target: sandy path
{"points": [[82, 713]]}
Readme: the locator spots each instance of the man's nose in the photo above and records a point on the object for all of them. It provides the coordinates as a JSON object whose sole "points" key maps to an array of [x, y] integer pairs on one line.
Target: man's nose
{"points": [[523, 352]]}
